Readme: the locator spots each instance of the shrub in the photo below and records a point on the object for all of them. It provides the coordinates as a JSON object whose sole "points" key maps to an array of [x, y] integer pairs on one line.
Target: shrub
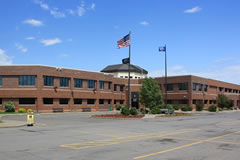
{"points": [[144, 111], [9, 107], [184, 108], [118, 107], [169, 107], [189, 108], [133, 111], [29, 110], [155, 111], [199, 107], [212, 108], [125, 111], [175, 107], [21, 110]]}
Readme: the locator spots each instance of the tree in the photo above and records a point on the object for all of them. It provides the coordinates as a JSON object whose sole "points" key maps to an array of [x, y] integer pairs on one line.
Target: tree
{"points": [[150, 94], [223, 101]]}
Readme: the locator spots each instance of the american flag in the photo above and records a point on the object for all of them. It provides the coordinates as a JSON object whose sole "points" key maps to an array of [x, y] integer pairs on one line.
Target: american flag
{"points": [[124, 42]]}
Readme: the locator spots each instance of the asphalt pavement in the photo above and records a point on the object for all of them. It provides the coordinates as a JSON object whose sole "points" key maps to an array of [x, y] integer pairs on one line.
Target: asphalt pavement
{"points": [[77, 136]]}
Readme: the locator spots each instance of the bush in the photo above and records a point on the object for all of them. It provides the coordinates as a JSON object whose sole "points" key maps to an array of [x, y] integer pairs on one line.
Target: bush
{"points": [[29, 110], [175, 107], [155, 111], [184, 108], [144, 111], [21, 110], [133, 111], [125, 111], [9, 107], [118, 107], [199, 107], [212, 108], [189, 108]]}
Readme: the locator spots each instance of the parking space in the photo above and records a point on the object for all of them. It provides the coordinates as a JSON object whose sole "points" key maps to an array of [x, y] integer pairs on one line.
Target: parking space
{"points": [[77, 136]]}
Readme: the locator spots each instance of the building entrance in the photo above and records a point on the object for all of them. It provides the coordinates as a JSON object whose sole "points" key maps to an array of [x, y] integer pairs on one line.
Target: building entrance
{"points": [[135, 100]]}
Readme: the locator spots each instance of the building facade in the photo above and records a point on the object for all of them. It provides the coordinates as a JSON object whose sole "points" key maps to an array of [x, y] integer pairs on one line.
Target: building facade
{"points": [[190, 90], [45, 88]]}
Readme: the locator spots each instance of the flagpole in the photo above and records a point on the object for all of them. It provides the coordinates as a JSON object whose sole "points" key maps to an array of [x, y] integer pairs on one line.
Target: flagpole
{"points": [[166, 74], [129, 71]]}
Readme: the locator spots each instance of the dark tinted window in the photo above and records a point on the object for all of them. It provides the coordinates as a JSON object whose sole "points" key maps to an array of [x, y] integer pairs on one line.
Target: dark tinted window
{"points": [[91, 101], [77, 101], [47, 100], [77, 83], [64, 82], [63, 101], [26, 100], [48, 80], [27, 80]]}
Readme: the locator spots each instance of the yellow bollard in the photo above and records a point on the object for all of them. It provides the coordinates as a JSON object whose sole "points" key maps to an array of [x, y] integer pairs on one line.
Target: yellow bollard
{"points": [[30, 118]]}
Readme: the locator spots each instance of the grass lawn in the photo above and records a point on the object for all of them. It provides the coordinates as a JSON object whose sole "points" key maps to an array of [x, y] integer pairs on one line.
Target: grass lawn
{"points": [[1, 121], [10, 113]]}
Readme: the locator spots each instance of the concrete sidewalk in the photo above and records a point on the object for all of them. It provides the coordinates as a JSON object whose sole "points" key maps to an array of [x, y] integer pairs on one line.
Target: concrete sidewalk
{"points": [[11, 123]]}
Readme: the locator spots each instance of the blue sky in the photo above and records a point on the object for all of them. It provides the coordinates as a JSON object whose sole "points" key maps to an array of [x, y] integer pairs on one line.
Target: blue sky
{"points": [[202, 36]]}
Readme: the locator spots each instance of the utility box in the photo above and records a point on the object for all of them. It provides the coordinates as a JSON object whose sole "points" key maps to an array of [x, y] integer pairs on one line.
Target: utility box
{"points": [[30, 119]]}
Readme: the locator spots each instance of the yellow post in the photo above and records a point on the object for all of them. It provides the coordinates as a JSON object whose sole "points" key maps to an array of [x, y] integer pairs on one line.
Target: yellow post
{"points": [[30, 118]]}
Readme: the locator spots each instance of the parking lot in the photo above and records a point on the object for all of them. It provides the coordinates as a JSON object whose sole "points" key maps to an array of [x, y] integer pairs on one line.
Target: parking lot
{"points": [[205, 136]]}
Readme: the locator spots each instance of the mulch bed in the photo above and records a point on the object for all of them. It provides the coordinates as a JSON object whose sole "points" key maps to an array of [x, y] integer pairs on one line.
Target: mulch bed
{"points": [[117, 116]]}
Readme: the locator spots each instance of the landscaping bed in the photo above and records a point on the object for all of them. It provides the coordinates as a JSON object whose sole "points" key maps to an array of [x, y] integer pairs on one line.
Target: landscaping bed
{"points": [[118, 116]]}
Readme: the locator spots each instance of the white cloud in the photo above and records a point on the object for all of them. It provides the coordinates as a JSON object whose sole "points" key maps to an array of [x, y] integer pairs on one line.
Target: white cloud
{"points": [[33, 22], [81, 11], [145, 23], [93, 5], [71, 11], [4, 58], [56, 13], [49, 42], [193, 10], [64, 55], [21, 48], [42, 5], [30, 38]]}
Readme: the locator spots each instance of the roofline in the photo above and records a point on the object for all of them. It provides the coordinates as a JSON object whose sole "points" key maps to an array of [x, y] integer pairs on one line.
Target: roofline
{"points": [[40, 65], [198, 77]]}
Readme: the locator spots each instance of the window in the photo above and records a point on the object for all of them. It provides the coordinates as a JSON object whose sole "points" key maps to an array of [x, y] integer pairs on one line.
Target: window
{"points": [[77, 83], [115, 101], [122, 88], [194, 86], [26, 80], [64, 82], [199, 87], [205, 88], [121, 101], [101, 84], [182, 86], [91, 101], [126, 76], [48, 80], [77, 101], [101, 101], [221, 89], [63, 101], [47, 100], [115, 87], [91, 84], [0, 80], [184, 101], [26, 100], [0, 100], [121, 76], [194, 101], [109, 85], [205, 101], [169, 87], [109, 101]]}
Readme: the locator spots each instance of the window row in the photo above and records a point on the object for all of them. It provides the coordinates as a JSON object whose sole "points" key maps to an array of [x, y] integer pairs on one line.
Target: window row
{"points": [[181, 86], [29, 80]]}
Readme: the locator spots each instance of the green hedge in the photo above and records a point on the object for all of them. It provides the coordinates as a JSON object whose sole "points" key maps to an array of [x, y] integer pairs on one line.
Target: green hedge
{"points": [[175, 107], [212, 108], [125, 111], [133, 111], [186, 108], [21, 110], [9, 107]]}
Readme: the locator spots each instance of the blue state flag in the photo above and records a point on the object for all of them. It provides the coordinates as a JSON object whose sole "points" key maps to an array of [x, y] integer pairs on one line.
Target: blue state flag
{"points": [[162, 49]]}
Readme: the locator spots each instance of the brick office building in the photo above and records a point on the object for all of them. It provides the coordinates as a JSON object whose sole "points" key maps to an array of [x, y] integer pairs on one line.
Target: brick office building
{"points": [[44, 88], [190, 90]]}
